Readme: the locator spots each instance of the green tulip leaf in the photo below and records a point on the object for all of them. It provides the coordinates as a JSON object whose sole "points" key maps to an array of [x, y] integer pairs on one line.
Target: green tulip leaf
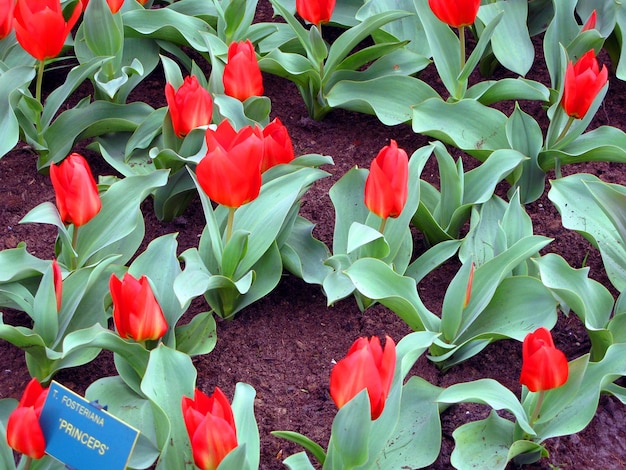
{"points": [[488, 392], [176, 369], [198, 336], [133, 409], [349, 440], [118, 228], [466, 124], [581, 211], [11, 81], [390, 97], [247, 429], [303, 255], [376, 280], [483, 444]]}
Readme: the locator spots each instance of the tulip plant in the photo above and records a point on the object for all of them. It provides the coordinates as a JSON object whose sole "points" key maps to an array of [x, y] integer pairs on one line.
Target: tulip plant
{"points": [[218, 140]]}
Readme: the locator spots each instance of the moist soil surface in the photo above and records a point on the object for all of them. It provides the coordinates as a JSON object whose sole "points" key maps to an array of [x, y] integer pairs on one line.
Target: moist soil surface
{"points": [[285, 344]]}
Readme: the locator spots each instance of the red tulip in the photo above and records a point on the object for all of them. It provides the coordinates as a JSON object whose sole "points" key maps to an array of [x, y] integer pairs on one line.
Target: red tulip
{"points": [[366, 366], [24, 433], [136, 312], [211, 427], [455, 13], [591, 22], [544, 367], [242, 75], [114, 5], [230, 173], [277, 146], [40, 27], [387, 185], [583, 82], [57, 278], [75, 190], [190, 106], [6, 17], [315, 11]]}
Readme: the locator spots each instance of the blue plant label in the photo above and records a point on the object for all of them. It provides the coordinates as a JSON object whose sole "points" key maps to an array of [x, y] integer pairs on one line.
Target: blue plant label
{"points": [[83, 435]]}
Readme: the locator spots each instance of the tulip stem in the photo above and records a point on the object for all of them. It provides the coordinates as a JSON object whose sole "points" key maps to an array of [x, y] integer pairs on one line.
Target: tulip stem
{"points": [[74, 261], [462, 48], [229, 224], [383, 222], [39, 81], [537, 409], [27, 462], [563, 133], [557, 160]]}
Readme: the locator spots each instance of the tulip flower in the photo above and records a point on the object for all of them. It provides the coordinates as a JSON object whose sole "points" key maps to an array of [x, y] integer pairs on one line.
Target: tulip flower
{"points": [[211, 427], [315, 11], [591, 22], [277, 145], [75, 190], [230, 172], [136, 312], [544, 367], [6, 17], [583, 82], [456, 13], [114, 5], [41, 28], [387, 185], [242, 75], [190, 106], [57, 279], [366, 366], [24, 433]]}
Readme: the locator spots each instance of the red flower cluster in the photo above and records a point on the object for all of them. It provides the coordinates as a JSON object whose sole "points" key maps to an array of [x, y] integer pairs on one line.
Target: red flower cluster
{"points": [[211, 427], [40, 27], [386, 187], [75, 189], [230, 172], [544, 367], [190, 106], [366, 366], [316, 11], [136, 312], [24, 433], [583, 82], [455, 13], [242, 76]]}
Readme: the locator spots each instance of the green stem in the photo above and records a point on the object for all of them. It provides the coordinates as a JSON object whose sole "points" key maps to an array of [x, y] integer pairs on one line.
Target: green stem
{"points": [[27, 462], [229, 224], [563, 133], [39, 81], [382, 225], [557, 160], [462, 48], [74, 243], [535, 414]]}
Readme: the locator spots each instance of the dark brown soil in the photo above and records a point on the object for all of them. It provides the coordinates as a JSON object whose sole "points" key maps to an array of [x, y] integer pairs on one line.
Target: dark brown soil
{"points": [[285, 344]]}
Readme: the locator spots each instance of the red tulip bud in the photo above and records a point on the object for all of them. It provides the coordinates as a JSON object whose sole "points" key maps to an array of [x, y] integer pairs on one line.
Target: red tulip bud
{"points": [[386, 187], [455, 13], [58, 283], [24, 433], [366, 366], [75, 189], [211, 427], [242, 76], [583, 82], [230, 173], [315, 11], [190, 106], [136, 312], [40, 27], [591, 22], [277, 145], [544, 367], [6, 17]]}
